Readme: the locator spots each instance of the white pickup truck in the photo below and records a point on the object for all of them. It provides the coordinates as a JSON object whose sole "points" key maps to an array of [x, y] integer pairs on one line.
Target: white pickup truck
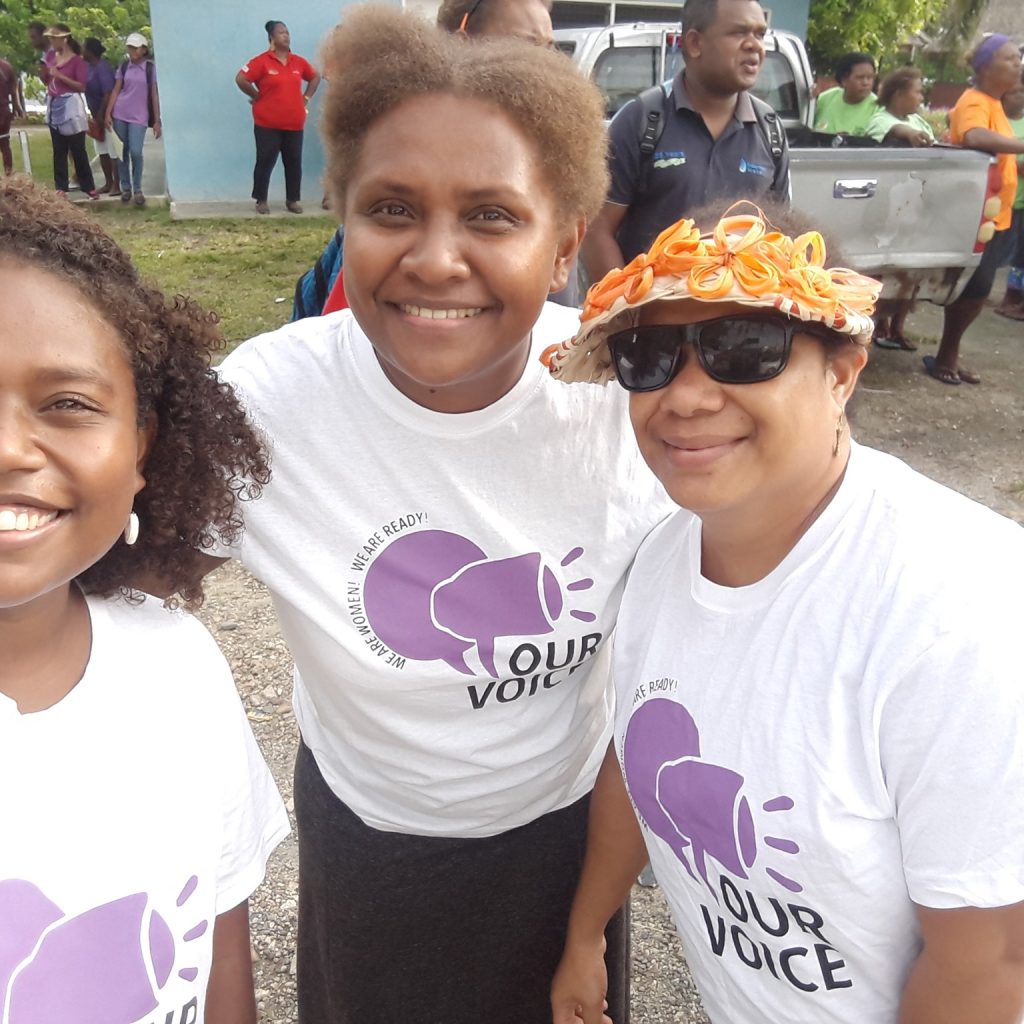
{"points": [[910, 217]]}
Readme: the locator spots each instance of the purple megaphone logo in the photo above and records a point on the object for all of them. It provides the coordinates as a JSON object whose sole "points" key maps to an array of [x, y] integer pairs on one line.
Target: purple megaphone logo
{"points": [[709, 813], [698, 808], [433, 595], [507, 597], [103, 966]]}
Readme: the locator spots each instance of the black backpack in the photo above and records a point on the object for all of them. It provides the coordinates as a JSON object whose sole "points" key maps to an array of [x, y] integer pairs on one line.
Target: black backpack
{"points": [[653, 101], [149, 86]]}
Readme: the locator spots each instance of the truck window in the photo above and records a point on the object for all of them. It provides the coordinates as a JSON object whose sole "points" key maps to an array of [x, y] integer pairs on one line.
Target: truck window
{"points": [[776, 85], [623, 72]]}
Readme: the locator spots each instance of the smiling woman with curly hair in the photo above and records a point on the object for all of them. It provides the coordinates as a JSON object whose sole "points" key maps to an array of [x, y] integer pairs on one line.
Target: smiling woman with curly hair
{"points": [[203, 455], [121, 734]]}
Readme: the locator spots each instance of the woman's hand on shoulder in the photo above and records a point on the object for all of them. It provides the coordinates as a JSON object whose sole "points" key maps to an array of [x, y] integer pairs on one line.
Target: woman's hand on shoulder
{"points": [[580, 984]]}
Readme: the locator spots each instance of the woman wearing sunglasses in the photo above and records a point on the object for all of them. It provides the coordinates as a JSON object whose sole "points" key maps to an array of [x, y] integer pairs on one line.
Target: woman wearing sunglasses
{"points": [[819, 724]]}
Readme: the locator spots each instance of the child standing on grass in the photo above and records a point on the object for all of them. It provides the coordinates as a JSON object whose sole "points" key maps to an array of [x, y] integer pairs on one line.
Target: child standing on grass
{"points": [[137, 812]]}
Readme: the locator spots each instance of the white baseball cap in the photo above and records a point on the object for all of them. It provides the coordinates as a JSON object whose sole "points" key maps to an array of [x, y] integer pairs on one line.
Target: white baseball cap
{"points": [[136, 39]]}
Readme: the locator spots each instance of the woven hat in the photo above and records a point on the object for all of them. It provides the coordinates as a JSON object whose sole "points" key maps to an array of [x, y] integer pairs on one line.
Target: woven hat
{"points": [[743, 260]]}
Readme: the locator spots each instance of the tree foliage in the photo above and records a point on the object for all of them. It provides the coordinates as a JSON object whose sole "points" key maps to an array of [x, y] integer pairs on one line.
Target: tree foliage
{"points": [[877, 27], [110, 21]]}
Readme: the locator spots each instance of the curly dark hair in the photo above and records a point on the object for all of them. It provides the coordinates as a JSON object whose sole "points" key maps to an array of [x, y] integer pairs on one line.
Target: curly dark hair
{"points": [[848, 61], [380, 57], [896, 82], [205, 456]]}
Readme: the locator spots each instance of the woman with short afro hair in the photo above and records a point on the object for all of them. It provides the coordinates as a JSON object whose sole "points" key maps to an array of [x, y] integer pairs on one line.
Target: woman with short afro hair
{"points": [[447, 534]]}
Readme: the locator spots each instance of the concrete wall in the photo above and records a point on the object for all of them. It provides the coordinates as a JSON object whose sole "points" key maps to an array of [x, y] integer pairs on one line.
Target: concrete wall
{"points": [[199, 47]]}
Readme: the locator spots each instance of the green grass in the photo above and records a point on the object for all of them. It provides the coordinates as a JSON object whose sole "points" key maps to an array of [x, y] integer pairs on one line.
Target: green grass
{"points": [[40, 151], [238, 268]]}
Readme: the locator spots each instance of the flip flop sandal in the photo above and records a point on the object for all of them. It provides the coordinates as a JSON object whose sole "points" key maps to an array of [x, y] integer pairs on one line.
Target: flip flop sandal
{"points": [[888, 343], [904, 343], [940, 373], [967, 376]]}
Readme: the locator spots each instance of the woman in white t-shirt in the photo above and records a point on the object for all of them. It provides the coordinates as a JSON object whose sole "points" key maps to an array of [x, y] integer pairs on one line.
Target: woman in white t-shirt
{"points": [[138, 814], [819, 720], [447, 532]]}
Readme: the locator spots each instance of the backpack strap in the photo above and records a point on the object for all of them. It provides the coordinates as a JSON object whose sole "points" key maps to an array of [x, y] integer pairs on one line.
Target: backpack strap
{"points": [[771, 128], [652, 124]]}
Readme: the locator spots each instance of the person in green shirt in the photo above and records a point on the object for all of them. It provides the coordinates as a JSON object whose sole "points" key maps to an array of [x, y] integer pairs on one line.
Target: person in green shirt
{"points": [[1012, 305], [847, 108], [897, 118]]}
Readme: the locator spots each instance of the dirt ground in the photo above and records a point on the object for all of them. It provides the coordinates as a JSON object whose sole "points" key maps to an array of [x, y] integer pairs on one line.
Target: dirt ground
{"points": [[970, 438]]}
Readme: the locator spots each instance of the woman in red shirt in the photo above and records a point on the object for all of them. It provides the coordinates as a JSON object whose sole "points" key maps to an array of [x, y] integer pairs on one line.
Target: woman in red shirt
{"points": [[279, 85]]}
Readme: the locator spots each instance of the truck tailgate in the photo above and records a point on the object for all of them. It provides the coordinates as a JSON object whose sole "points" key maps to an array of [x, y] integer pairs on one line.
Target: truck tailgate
{"points": [[909, 216]]}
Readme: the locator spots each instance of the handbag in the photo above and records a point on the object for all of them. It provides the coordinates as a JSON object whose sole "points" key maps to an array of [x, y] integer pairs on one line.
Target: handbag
{"points": [[68, 113]]}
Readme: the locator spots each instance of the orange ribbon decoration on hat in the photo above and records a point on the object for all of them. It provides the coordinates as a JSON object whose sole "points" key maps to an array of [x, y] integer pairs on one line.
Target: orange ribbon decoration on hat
{"points": [[742, 252]]}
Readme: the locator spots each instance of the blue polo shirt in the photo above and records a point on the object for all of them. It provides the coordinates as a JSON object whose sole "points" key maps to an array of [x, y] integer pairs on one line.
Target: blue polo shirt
{"points": [[689, 167]]}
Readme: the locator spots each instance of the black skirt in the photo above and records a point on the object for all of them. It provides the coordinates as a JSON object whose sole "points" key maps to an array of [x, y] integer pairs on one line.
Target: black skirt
{"points": [[396, 928]]}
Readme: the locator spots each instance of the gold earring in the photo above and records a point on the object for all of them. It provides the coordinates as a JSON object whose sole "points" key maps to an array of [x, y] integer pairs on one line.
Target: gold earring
{"points": [[839, 434]]}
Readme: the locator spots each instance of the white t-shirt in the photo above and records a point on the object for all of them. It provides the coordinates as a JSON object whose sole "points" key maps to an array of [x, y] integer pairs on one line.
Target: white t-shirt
{"points": [[132, 813], [446, 583], [811, 754]]}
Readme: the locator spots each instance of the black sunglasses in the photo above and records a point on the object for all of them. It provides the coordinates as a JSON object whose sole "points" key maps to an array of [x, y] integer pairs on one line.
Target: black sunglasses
{"points": [[731, 349]]}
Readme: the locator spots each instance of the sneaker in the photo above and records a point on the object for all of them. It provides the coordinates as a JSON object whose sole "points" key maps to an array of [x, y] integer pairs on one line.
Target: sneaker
{"points": [[294, 207], [139, 199], [262, 208], [126, 197]]}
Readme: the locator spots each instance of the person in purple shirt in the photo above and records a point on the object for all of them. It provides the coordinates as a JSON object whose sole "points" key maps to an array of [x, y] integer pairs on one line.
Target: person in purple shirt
{"points": [[134, 106], [65, 75], [98, 88]]}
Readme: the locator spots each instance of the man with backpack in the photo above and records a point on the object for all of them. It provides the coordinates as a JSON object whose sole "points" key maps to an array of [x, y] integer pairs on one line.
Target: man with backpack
{"points": [[704, 139]]}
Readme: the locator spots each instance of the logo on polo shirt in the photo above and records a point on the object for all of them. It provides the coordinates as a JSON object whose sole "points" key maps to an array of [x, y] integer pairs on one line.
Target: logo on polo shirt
{"points": [[747, 167], [669, 158]]}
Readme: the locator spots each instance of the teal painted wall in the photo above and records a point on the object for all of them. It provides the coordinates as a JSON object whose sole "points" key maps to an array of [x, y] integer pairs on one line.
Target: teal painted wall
{"points": [[790, 15], [199, 47]]}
